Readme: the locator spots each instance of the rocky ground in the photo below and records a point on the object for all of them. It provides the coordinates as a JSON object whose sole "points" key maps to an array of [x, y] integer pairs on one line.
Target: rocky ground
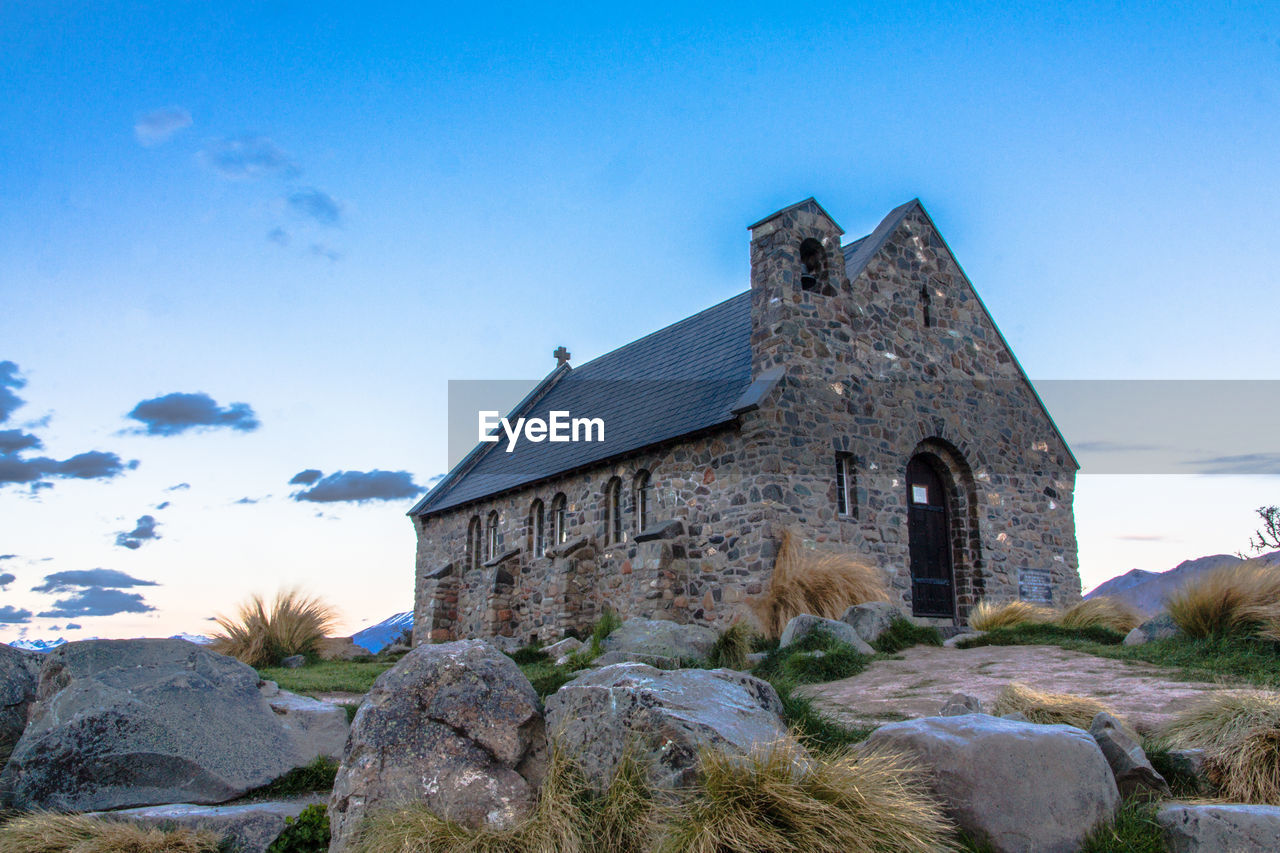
{"points": [[918, 680]]}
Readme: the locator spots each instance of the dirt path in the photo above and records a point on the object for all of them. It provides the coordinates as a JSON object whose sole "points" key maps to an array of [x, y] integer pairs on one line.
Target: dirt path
{"points": [[925, 676]]}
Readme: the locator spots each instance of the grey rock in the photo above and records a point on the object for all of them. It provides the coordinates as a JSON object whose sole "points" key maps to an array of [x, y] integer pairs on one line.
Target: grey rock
{"points": [[803, 625], [121, 723], [19, 675], [1191, 762], [455, 726], [1018, 787], [1220, 828], [294, 662], [250, 828], [1123, 750], [1159, 627], [506, 645], [954, 642], [662, 638], [961, 703], [610, 658], [564, 647], [316, 728], [871, 619], [667, 716], [1016, 716]]}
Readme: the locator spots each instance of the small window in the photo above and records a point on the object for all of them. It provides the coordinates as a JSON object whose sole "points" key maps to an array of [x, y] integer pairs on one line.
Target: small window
{"points": [[812, 258], [925, 305], [846, 486], [491, 536], [473, 543], [537, 530], [613, 511], [559, 530], [641, 499]]}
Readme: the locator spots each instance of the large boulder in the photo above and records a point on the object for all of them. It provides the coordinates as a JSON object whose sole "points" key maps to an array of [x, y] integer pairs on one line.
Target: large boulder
{"points": [[1018, 787], [1159, 627], [19, 675], [805, 624], [871, 619], [667, 716], [1135, 777], [121, 723], [317, 728], [455, 726], [661, 638], [248, 828], [1218, 828]]}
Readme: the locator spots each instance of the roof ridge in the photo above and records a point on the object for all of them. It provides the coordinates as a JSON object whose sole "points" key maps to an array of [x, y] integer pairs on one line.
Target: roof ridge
{"points": [[667, 327]]}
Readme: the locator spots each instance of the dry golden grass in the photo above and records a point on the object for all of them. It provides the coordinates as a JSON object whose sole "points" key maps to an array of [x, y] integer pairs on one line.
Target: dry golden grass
{"points": [[1048, 708], [1236, 600], [1101, 612], [987, 615], [732, 647], [782, 800], [58, 833], [1239, 730], [567, 817], [261, 636], [821, 583]]}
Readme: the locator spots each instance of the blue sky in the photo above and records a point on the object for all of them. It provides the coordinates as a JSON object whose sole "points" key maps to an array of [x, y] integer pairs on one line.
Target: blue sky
{"points": [[325, 212]]}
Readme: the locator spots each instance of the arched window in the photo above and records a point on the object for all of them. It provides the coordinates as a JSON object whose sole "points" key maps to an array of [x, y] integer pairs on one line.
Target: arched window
{"points": [[473, 543], [641, 498], [491, 536], [537, 530], [846, 486], [813, 258], [559, 531], [613, 511]]}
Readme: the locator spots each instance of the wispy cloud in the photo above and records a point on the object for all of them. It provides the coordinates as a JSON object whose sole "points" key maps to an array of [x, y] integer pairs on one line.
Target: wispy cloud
{"points": [[94, 465], [10, 381], [7, 578], [1142, 537], [317, 205], [16, 441], [96, 601], [107, 578], [322, 251], [243, 157], [179, 487], [143, 531], [307, 477], [158, 126], [279, 236], [1245, 463], [13, 616], [361, 486], [173, 414]]}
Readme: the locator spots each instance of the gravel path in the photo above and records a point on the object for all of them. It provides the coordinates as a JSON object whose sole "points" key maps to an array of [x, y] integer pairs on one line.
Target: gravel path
{"points": [[917, 684]]}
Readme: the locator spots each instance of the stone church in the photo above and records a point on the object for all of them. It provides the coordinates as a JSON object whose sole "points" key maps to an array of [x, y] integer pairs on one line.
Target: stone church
{"points": [[858, 394]]}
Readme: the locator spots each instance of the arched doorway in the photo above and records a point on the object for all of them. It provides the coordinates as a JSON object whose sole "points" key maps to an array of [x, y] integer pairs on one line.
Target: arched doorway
{"points": [[929, 514]]}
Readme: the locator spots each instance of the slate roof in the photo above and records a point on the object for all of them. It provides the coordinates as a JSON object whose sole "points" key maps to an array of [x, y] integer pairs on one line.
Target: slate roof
{"points": [[683, 379]]}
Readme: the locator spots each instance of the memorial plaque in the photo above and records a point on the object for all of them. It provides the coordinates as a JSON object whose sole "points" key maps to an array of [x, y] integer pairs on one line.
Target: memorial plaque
{"points": [[1034, 586]]}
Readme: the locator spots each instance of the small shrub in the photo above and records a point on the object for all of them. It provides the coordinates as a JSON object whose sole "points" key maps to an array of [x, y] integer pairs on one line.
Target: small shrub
{"points": [[316, 777], [1231, 601], [903, 634], [988, 615], [1040, 707], [43, 832], [780, 799], [822, 583], [261, 636], [731, 647], [1239, 730], [1101, 612], [307, 833]]}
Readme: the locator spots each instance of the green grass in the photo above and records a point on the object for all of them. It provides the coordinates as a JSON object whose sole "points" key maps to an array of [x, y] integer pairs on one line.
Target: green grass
{"points": [[903, 634], [1134, 830], [316, 777], [1182, 785], [1244, 658], [330, 676]]}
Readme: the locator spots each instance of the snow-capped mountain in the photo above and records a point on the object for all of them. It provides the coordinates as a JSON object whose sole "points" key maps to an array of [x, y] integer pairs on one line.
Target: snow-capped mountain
{"points": [[37, 645], [377, 637], [198, 639]]}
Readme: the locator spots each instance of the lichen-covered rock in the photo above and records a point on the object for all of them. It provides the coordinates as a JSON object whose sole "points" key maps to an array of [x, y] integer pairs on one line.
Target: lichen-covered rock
{"points": [[871, 619], [1133, 771], [805, 624], [1220, 828], [19, 674], [1158, 627], [661, 638], [121, 723], [560, 648], [666, 715], [1018, 787], [455, 726], [248, 828]]}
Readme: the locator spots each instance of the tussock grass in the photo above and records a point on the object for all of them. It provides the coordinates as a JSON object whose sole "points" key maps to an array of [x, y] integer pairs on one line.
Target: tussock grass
{"points": [[1101, 612], [259, 635], [1231, 601], [1239, 730], [822, 583], [988, 615], [903, 634], [1028, 634], [780, 799], [1049, 708], [731, 647], [42, 832]]}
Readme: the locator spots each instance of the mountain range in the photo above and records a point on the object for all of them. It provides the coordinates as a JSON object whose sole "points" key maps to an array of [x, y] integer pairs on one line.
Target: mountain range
{"points": [[1146, 591], [377, 637]]}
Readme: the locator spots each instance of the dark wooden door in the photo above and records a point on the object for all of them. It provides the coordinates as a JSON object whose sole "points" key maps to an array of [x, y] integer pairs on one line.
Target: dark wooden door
{"points": [[929, 538]]}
